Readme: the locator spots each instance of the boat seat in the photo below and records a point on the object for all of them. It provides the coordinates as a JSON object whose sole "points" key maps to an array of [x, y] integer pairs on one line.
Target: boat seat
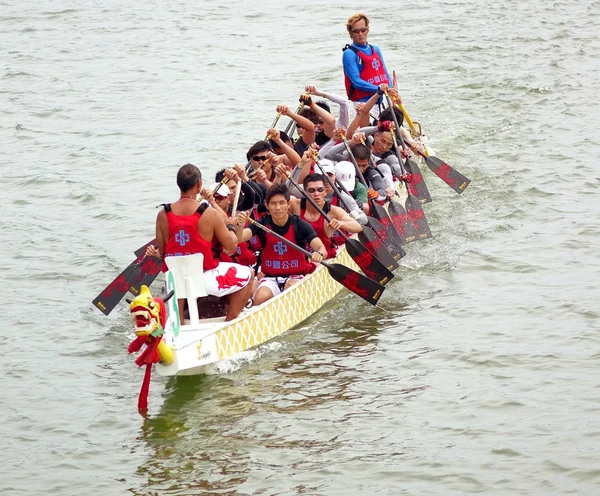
{"points": [[188, 272]]}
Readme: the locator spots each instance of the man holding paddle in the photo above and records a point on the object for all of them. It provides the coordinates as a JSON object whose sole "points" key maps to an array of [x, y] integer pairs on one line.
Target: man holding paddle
{"points": [[186, 227], [282, 265]]}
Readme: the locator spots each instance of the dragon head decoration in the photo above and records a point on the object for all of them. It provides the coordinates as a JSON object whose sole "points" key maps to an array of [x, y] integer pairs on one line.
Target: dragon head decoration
{"points": [[148, 313]]}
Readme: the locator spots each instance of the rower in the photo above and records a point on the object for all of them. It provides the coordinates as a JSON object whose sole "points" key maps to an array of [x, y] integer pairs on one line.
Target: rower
{"points": [[281, 265], [186, 227], [314, 186], [364, 68]]}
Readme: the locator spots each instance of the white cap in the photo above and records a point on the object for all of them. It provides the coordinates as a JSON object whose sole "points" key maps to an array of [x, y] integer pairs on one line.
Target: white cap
{"points": [[223, 189], [327, 166], [345, 174]]}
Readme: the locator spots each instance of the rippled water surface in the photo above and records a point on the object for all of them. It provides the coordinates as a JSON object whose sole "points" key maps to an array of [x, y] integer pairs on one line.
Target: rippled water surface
{"points": [[479, 374]]}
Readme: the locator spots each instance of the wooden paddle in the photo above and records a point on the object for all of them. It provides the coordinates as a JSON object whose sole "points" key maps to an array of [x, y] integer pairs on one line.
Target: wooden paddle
{"points": [[368, 289], [417, 186], [392, 237], [397, 214], [274, 124], [414, 210], [292, 121], [108, 299], [367, 236], [370, 265], [445, 172]]}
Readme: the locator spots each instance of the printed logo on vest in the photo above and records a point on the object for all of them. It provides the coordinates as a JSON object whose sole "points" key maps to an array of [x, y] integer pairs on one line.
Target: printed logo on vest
{"points": [[375, 64], [280, 248], [182, 238]]}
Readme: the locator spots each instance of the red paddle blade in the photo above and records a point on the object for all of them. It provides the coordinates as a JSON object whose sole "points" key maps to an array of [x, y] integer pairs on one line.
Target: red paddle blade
{"points": [[448, 174], [368, 289], [417, 217], [149, 269], [416, 186], [369, 239], [392, 240], [382, 233], [368, 263], [401, 222], [114, 292]]}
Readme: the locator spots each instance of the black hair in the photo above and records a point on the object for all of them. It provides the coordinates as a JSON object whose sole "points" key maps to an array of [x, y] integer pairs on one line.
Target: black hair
{"points": [[360, 151], [259, 146], [188, 176], [284, 137], [314, 177], [386, 115], [307, 113], [220, 175], [323, 105], [277, 189]]}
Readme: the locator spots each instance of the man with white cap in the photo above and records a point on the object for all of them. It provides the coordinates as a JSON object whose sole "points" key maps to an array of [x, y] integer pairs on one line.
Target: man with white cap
{"points": [[219, 199], [345, 174]]}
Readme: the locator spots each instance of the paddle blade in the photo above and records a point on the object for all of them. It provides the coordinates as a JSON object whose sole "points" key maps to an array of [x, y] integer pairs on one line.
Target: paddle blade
{"points": [[114, 292], [417, 217], [370, 265], [416, 186], [149, 269], [448, 174], [392, 240], [368, 289], [394, 248], [368, 238], [401, 222]]}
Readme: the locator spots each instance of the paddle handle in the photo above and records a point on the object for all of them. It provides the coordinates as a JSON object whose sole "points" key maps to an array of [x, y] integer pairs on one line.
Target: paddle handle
{"points": [[236, 199], [280, 238]]}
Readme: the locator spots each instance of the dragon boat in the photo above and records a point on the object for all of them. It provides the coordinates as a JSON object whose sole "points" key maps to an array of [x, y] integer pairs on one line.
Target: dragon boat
{"points": [[199, 343]]}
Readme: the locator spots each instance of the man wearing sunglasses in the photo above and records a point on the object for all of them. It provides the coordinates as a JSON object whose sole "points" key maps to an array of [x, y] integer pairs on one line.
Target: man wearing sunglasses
{"points": [[314, 186], [364, 68]]}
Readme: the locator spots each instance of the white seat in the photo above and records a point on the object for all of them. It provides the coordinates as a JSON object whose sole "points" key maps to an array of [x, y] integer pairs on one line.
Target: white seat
{"points": [[188, 272]]}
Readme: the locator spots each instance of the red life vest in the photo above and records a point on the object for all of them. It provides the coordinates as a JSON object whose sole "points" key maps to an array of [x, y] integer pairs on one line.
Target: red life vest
{"points": [[184, 238], [319, 227], [372, 72], [279, 259]]}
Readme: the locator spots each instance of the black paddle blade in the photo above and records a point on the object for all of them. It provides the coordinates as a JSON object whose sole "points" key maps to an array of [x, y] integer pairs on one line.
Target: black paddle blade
{"points": [[368, 238], [370, 265], [401, 222], [448, 174], [114, 292], [142, 249], [148, 270], [391, 238], [394, 248], [417, 217], [416, 186], [368, 289]]}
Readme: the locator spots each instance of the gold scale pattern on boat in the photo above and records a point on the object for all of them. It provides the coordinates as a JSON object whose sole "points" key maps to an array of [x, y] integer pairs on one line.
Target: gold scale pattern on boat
{"points": [[299, 303]]}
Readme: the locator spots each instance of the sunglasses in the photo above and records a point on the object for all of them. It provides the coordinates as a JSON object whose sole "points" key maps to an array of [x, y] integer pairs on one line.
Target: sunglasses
{"points": [[259, 158], [360, 30], [315, 190]]}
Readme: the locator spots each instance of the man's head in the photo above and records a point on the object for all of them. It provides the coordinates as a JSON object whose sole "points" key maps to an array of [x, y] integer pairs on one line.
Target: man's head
{"points": [[358, 28], [319, 123], [189, 178], [231, 184], [345, 174], [382, 142], [258, 153], [223, 196], [278, 201], [314, 186], [361, 154], [386, 115]]}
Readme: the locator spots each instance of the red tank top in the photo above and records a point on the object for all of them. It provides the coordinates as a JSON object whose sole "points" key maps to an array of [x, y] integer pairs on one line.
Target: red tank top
{"points": [[184, 238], [319, 227], [372, 72], [279, 259]]}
